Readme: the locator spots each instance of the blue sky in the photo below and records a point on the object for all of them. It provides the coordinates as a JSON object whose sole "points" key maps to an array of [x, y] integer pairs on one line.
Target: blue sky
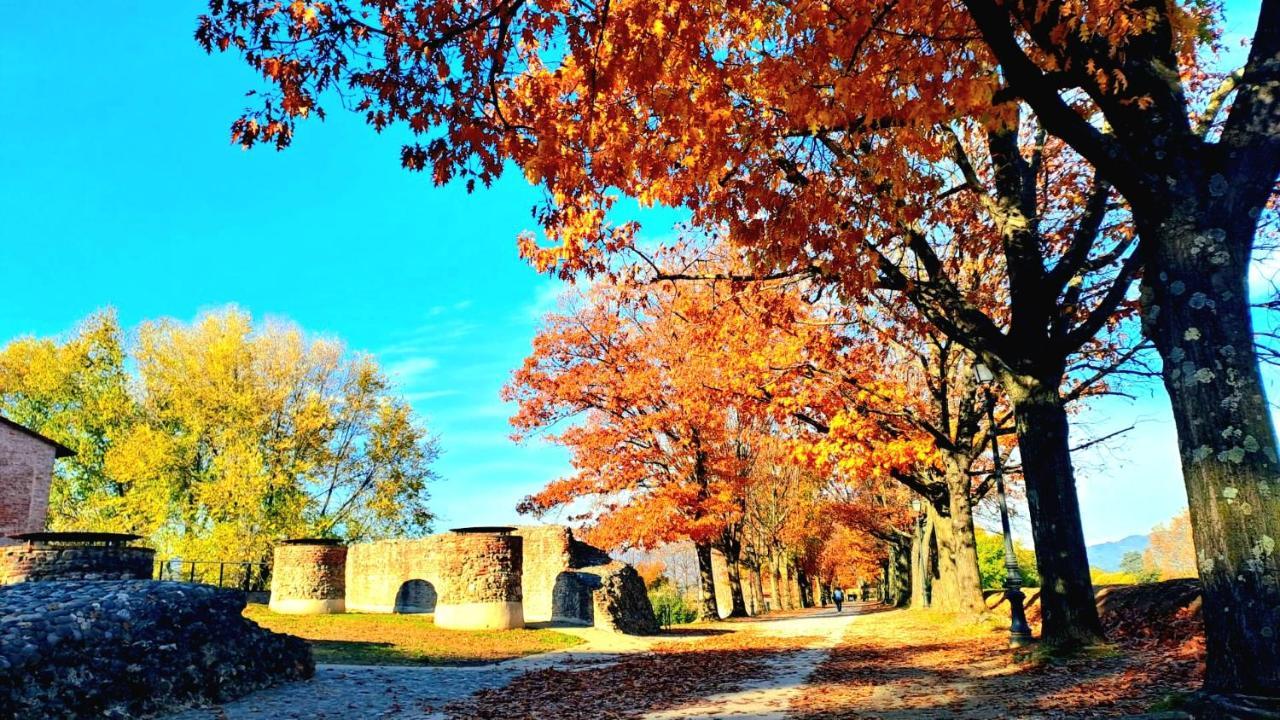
{"points": [[119, 187]]}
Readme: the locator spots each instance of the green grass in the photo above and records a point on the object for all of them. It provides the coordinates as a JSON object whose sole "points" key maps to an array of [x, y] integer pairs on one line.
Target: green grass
{"points": [[359, 639]]}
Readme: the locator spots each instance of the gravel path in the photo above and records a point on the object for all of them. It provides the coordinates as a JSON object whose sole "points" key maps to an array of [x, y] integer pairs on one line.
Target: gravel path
{"points": [[339, 692], [770, 697], [362, 692]]}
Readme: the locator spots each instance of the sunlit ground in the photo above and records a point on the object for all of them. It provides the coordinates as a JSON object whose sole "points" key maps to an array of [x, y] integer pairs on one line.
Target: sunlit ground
{"points": [[366, 639]]}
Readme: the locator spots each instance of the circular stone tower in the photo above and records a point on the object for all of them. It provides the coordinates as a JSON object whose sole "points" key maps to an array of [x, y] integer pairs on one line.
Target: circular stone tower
{"points": [[483, 567], [309, 577]]}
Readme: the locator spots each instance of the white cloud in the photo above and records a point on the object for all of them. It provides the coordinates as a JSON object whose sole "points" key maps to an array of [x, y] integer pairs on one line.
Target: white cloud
{"points": [[413, 369]]}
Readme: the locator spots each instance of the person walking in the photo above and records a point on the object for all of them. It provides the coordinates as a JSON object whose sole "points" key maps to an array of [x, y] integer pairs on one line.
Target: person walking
{"points": [[838, 598]]}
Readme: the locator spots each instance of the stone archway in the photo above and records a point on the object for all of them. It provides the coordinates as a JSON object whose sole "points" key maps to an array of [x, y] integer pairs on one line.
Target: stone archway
{"points": [[415, 596]]}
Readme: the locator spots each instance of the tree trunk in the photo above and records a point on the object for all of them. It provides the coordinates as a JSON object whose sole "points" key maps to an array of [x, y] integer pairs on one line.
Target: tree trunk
{"points": [[920, 571], [963, 544], [1070, 615], [898, 579], [707, 609], [775, 584], [787, 597], [757, 590], [1196, 310], [945, 594], [731, 548]]}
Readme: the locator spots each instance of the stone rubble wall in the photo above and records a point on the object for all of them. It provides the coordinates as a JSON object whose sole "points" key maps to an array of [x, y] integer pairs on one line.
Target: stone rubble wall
{"points": [[619, 600], [130, 648], [26, 469], [611, 591], [309, 577], [481, 568], [33, 562]]}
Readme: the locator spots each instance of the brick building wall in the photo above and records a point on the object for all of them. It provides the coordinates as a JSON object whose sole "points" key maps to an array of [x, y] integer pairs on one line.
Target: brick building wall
{"points": [[26, 470]]}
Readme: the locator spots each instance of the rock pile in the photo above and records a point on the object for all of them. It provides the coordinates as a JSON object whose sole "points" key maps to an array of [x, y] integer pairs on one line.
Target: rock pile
{"points": [[119, 649], [619, 599]]}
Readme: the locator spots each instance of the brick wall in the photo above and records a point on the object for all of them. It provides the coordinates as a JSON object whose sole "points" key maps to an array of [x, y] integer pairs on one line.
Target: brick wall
{"points": [[26, 468]]}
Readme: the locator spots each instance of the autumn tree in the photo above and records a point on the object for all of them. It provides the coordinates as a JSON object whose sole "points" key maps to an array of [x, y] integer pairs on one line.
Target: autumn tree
{"points": [[218, 438], [1171, 550], [740, 113], [661, 447], [76, 391]]}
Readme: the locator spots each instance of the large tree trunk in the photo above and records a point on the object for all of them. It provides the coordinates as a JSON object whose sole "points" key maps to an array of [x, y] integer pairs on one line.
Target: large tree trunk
{"points": [[944, 595], [1070, 615], [788, 583], [963, 544], [731, 548], [707, 608], [1196, 309]]}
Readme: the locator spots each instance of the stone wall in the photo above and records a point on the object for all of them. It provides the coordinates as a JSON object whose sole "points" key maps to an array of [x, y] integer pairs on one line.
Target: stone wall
{"points": [[309, 578], [476, 578], [377, 570], [130, 648], [483, 580], [549, 589], [619, 600], [26, 469], [35, 561], [483, 586]]}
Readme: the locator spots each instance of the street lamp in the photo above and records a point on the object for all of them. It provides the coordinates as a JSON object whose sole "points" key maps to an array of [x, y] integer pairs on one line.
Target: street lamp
{"points": [[1019, 631]]}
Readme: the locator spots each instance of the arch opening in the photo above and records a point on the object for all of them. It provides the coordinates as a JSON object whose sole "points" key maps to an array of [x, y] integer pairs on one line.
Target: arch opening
{"points": [[415, 596]]}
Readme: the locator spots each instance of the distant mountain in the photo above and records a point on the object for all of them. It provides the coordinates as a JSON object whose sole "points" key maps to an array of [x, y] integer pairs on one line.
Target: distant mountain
{"points": [[1107, 555]]}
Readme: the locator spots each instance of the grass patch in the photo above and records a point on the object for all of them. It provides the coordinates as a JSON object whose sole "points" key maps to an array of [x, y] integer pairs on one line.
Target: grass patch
{"points": [[366, 639]]}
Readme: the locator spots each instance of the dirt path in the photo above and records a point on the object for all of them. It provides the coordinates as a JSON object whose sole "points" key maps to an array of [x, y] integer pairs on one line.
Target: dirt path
{"points": [[769, 697]]}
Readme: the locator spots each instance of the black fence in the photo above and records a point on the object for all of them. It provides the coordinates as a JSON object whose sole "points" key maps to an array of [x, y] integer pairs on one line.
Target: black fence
{"points": [[246, 576]]}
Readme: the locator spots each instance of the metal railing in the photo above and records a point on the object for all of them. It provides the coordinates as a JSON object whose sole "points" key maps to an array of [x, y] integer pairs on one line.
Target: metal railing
{"points": [[246, 576]]}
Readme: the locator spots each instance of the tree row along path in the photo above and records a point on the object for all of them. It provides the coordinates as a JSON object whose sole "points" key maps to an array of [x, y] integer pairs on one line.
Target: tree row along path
{"points": [[868, 663]]}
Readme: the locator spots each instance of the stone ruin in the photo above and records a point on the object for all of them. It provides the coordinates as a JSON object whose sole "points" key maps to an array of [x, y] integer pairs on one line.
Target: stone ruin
{"points": [[471, 579], [74, 556], [132, 648]]}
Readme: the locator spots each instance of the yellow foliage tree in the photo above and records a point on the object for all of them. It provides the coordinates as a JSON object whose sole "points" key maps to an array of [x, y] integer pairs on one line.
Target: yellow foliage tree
{"points": [[226, 436]]}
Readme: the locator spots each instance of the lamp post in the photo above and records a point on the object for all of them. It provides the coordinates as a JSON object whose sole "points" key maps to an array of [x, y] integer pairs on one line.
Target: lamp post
{"points": [[1019, 631]]}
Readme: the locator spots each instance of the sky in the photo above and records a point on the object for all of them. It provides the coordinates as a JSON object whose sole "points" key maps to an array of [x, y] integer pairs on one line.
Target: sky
{"points": [[119, 188]]}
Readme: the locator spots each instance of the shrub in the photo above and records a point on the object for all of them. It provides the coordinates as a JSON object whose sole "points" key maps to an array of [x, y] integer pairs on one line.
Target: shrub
{"points": [[991, 561], [670, 607]]}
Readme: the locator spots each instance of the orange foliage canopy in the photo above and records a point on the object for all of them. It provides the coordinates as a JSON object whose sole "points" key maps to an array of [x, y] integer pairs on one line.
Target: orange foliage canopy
{"points": [[808, 130], [662, 444]]}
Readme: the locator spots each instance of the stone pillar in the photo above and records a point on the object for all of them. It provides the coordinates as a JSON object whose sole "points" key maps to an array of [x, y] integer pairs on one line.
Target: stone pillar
{"points": [[308, 577], [482, 589]]}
